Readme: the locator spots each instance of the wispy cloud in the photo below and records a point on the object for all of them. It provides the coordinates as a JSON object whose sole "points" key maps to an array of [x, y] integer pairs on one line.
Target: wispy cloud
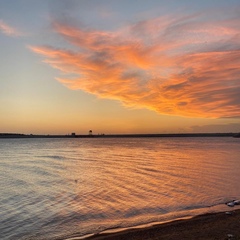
{"points": [[185, 66], [8, 30]]}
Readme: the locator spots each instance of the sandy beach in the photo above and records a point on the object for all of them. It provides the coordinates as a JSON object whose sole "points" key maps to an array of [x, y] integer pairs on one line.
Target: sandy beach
{"points": [[221, 226]]}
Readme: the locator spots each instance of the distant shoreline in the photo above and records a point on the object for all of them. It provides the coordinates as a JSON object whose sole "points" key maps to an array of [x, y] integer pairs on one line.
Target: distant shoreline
{"points": [[162, 135]]}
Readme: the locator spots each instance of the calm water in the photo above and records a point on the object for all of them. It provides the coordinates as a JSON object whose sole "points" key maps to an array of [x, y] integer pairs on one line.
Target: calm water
{"points": [[58, 188]]}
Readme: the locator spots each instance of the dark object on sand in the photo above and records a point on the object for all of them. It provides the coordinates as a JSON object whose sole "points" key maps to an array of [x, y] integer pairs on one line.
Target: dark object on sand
{"points": [[233, 203]]}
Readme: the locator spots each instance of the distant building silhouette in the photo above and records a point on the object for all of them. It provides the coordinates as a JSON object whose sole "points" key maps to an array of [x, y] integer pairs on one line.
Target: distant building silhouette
{"points": [[90, 132], [73, 134]]}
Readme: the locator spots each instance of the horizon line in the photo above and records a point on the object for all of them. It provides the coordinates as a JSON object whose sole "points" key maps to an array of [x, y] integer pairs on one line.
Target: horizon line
{"points": [[74, 135]]}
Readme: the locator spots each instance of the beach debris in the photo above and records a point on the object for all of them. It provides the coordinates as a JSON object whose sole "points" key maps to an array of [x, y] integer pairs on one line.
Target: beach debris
{"points": [[76, 180], [233, 203], [236, 202], [230, 236], [230, 204], [229, 213]]}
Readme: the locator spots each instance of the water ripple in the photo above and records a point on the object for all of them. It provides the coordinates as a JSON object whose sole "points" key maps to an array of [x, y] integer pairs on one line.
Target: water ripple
{"points": [[54, 188]]}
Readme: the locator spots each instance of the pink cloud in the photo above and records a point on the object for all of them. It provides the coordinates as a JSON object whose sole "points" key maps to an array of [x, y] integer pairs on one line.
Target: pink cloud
{"points": [[179, 66], [8, 30]]}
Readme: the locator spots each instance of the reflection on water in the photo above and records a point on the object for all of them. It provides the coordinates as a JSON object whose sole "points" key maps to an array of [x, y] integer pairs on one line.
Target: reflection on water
{"points": [[54, 188]]}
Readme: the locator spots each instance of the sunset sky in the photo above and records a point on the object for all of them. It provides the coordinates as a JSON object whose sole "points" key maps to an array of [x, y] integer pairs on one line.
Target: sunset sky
{"points": [[119, 66]]}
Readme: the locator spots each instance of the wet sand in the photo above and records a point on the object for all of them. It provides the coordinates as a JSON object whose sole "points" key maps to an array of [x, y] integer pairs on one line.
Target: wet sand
{"points": [[209, 226]]}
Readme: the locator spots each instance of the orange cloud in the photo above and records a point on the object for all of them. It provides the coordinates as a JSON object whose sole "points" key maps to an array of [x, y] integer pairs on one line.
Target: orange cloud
{"points": [[8, 30], [181, 66]]}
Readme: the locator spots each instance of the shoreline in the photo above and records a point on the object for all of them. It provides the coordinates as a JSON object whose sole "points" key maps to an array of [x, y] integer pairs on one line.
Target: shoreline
{"points": [[222, 225], [217, 225]]}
